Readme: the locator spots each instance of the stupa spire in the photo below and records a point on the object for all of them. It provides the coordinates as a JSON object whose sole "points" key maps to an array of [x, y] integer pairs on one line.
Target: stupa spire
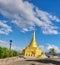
{"points": [[33, 42]]}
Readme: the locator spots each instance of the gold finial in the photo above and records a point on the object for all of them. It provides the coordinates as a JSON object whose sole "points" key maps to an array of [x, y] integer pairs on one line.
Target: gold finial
{"points": [[34, 35]]}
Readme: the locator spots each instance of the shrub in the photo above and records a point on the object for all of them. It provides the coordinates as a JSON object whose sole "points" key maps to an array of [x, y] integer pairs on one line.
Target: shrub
{"points": [[4, 52]]}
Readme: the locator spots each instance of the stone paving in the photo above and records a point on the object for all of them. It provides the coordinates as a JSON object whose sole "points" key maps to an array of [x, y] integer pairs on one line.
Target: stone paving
{"points": [[30, 61], [37, 62]]}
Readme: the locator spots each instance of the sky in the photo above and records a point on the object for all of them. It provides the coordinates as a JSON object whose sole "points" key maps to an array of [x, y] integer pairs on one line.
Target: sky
{"points": [[20, 18]]}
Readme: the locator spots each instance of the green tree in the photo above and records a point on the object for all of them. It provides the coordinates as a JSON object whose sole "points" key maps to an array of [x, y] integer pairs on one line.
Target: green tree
{"points": [[10, 53], [53, 52], [4, 52], [1, 52], [15, 53]]}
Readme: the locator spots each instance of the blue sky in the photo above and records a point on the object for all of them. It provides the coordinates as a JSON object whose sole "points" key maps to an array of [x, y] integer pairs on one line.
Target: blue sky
{"points": [[19, 19]]}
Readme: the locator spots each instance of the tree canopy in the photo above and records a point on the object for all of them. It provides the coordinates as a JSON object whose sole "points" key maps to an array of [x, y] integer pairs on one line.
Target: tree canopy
{"points": [[53, 52]]}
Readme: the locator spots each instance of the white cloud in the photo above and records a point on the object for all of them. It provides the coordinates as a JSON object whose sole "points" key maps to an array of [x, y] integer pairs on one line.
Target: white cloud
{"points": [[4, 28], [26, 16], [48, 47], [50, 30], [54, 18], [15, 48], [3, 43]]}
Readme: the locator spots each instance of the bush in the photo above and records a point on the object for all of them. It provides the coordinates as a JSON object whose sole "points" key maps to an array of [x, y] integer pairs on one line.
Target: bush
{"points": [[4, 52], [15, 53]]}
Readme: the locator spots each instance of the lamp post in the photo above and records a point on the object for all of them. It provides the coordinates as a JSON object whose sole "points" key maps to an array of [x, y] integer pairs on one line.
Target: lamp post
{"points": [[10, 44]]}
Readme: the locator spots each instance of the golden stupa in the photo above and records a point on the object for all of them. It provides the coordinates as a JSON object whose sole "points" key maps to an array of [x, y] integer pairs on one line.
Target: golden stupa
{"points": [[33, 49]]}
